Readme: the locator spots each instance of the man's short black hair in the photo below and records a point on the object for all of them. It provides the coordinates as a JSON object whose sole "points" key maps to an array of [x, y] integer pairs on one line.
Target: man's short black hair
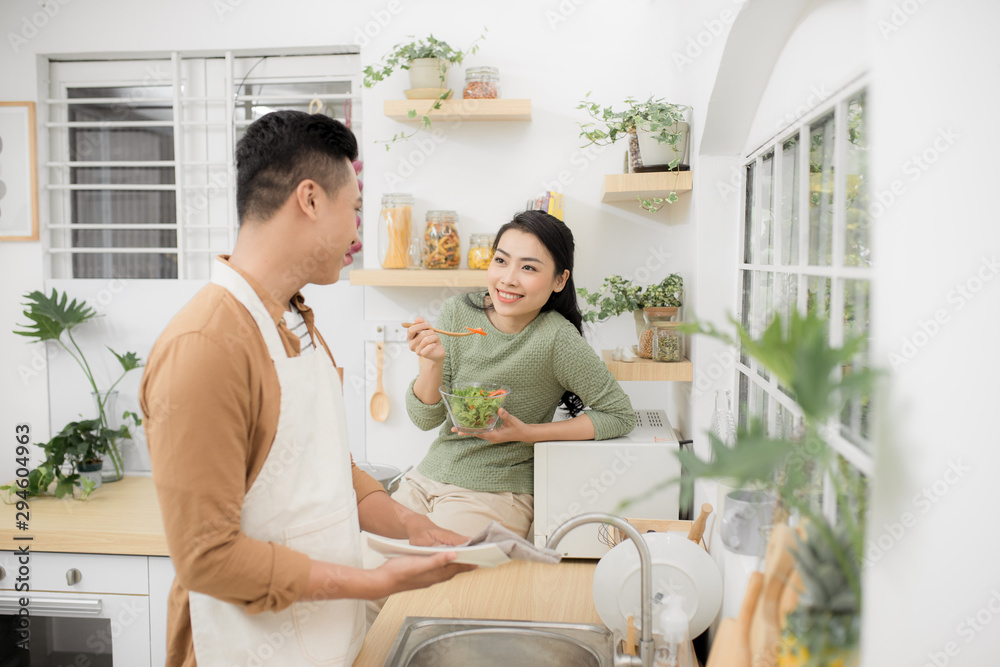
{"points": [[282, 149]]}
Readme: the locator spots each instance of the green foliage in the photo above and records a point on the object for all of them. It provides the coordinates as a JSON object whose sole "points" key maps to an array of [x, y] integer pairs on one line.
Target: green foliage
{"points": [[618, 295], [402, 55], [660, 118], [801, 358], [827, 618], [51, 316], [804, 362], [54, 318]]}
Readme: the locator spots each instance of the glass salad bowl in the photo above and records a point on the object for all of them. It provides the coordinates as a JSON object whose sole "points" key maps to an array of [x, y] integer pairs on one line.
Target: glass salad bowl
{"points": [[473, 406]]}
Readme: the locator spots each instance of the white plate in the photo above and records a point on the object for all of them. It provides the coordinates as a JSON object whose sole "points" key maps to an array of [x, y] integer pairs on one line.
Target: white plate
{"points": [[679, 566], [484, 555]]}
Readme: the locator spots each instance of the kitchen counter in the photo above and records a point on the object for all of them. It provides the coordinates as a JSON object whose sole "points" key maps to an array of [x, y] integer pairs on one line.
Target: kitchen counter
{"points": [[518, 590], [121, 518]]}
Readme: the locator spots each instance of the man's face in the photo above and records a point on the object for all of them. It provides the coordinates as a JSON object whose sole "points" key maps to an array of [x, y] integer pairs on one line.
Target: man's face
{"points": [[336, 230]]}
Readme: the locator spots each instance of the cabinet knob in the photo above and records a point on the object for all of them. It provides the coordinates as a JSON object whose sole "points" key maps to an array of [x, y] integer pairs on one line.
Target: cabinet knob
{"points": [[73, 576], [3, 573]]}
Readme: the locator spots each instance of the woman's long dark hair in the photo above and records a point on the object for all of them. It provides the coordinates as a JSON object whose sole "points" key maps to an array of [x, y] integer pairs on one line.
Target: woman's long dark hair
{"points": [[558, 240]]}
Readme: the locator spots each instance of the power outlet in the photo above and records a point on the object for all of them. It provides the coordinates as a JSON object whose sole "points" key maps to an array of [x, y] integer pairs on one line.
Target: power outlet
{"points": [[390, 332]]}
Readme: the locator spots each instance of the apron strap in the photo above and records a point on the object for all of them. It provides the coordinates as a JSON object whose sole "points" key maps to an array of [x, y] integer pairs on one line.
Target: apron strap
{"points": [[228, 277]]}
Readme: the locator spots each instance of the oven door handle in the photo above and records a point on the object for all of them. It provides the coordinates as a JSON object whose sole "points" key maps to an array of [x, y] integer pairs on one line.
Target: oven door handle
{"points": [[88, 607]]}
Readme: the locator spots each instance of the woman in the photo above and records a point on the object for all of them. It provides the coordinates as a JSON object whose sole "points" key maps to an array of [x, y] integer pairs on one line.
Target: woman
{"points": [[535, 346]]}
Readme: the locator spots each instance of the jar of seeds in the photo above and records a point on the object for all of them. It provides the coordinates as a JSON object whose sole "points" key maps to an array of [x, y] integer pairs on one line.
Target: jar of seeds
{"points": [[668, 342]]}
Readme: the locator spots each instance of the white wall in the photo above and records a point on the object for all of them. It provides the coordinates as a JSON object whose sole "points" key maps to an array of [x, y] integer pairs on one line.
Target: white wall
{"points": [[933, 547], [552, 52]]}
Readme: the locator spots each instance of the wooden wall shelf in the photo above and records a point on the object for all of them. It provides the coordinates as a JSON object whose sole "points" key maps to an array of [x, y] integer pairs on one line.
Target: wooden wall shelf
{"points": [[626, 187], [647, 370], [460, 109], [418, 277]]}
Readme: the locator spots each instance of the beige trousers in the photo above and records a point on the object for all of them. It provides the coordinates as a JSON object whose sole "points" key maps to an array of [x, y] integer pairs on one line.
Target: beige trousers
{"points": [[464, 511]]}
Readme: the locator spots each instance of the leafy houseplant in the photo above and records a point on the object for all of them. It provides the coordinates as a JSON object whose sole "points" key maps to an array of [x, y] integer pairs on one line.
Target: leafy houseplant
{"points": [[661, 301], [405, 55], [824, 627], [618, 295], [84, 441], [660, 121]]}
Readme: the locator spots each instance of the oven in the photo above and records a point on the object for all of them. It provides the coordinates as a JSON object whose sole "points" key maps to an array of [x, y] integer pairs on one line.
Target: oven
{"points": [[79, 610]]}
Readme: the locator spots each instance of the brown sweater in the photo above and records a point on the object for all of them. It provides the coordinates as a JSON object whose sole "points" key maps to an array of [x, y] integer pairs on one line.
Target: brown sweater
{"points": [[210, 397]]}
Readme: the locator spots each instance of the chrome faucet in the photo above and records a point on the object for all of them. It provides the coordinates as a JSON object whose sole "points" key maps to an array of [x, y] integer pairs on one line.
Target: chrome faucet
{"points": [[645, 658]]}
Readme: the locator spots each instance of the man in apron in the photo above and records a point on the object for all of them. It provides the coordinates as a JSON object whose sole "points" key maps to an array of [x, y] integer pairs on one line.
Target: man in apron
{"points": [[247, 433]]}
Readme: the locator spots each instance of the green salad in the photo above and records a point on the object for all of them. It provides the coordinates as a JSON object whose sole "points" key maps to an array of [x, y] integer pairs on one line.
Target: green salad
{"points": [[475, 407]]}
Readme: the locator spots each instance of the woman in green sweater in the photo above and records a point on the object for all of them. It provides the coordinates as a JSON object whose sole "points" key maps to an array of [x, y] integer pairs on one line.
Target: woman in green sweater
{"points": [[535, 346]]}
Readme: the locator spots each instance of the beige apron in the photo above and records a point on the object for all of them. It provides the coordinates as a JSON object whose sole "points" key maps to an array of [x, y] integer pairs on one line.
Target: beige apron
{"points": [[303, 498]]}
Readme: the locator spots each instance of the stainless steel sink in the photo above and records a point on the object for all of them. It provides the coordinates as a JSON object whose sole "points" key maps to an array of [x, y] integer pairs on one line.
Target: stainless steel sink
{"points": [[444, 642]]}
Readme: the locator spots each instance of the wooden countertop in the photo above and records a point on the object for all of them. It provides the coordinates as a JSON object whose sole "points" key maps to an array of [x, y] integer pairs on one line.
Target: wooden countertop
{"points": [[518, 590], [122, 517]]}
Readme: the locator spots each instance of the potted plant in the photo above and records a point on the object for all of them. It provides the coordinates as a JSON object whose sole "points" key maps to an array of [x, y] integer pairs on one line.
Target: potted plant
{"points": [[617, 296], [86, 441], [428, 61], [656, 130], [823, 629]]}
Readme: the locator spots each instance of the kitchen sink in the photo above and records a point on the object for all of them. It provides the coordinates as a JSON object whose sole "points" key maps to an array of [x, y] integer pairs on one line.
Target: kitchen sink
{"points": [[444, 642]]}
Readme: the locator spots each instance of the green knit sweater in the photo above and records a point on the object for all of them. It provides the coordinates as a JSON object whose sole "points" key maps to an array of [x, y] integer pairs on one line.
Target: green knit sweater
{"points": [[538, 364]]}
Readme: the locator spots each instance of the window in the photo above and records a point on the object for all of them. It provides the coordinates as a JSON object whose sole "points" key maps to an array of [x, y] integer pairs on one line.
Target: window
{"points": [[141, 176], [806, 244]]}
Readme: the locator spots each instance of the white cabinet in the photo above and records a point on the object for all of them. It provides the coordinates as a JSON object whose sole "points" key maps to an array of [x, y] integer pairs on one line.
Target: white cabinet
{"points": [[161, 577]]}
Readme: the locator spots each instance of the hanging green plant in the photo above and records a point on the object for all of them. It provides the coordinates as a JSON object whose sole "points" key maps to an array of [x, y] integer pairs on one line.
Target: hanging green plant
{"points": [[401, 57]]}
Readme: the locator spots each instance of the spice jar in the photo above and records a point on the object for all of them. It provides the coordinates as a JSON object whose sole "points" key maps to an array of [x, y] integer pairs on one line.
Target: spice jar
{"points": [[482, 83], [394, 230], [668, 342], [481, 251], [652, 315], [441, 241]]}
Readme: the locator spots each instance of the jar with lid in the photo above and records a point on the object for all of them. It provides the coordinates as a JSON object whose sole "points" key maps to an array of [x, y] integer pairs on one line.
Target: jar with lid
{"points": [[481, 251], [668, 342], [394, 230], [482, 83], [441, 241], [651, 315]]}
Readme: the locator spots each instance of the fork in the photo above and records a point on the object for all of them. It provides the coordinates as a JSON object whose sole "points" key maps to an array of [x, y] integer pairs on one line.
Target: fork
{"points": [[470, 332]]}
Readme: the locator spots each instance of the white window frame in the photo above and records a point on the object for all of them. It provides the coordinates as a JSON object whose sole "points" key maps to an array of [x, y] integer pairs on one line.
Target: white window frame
{"points": [[198, 106], [837, 272]]}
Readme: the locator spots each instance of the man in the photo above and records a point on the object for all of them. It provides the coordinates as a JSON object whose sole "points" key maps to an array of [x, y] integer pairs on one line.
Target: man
{"points": [[247, 433]]}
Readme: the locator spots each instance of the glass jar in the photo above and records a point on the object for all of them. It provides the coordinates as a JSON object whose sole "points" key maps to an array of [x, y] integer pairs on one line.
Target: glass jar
{"points": [[441, 241], [668, 342], [394, 230], [481, 251], [482, 83], [650, 316]]}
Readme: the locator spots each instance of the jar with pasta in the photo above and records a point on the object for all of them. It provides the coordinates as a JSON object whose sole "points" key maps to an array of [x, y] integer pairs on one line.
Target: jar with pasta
{"points": [[394, 230], [441, 241], [481, 251], [482, 83]]}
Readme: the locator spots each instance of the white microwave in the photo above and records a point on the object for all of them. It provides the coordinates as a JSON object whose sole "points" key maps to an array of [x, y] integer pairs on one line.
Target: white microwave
{"points": [[575, 477]]}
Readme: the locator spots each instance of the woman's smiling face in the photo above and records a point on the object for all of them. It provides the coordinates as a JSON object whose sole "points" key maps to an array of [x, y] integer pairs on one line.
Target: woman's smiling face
{"points": [[520, 279]]}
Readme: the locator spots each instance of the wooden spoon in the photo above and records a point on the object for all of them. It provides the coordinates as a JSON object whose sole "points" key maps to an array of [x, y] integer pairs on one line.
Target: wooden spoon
{"points": [[380, 400], [698, 527], [731, 646], [470, 332]]}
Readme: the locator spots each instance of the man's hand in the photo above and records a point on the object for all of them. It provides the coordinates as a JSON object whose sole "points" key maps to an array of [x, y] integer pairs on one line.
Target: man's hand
{"points": [[423, 532], [330, 581], [405, 573], [511, 430]]}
